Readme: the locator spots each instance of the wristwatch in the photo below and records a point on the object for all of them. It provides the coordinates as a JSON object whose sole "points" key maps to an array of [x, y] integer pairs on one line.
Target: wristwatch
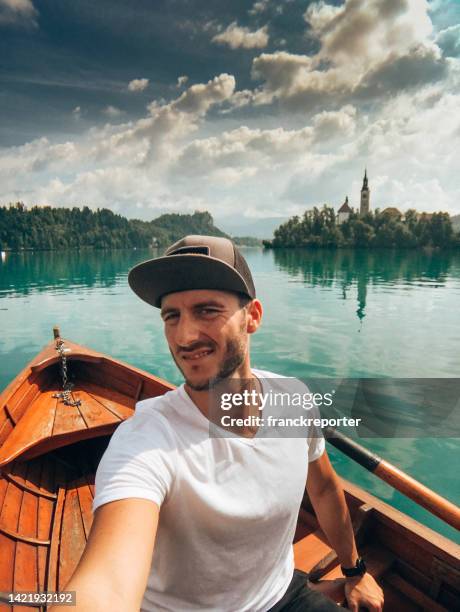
{"points": [[358, 570]]}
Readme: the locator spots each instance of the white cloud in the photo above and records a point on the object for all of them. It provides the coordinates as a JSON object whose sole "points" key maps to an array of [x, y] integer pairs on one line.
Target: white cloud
{"points": [[367, 49], [112, 111], [198, 98], [138, 85], [362, 32], [20, 12], [76, 112], [259, 7], [115, 165], [238, 37], [332, 124], [182, 80], [180, 156]]}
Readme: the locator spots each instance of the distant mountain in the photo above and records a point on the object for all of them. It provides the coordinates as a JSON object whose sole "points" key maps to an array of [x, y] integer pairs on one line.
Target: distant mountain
{"points": [[244, 226], [172, 226]]}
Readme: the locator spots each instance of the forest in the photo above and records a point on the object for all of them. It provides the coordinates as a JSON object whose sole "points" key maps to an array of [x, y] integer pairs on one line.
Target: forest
{"points": [[56, 228], [318, 228]]}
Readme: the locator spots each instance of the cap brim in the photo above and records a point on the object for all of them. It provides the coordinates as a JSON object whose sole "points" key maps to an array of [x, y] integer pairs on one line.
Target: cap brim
{"points": [[153, 279]]}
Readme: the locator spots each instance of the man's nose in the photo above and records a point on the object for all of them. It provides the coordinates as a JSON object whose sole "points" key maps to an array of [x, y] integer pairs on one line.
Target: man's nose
{"points": [[187, 331]]}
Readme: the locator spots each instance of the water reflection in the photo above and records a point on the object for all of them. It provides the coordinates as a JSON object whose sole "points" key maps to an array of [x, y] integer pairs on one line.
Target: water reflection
{"points": [[28, 272], [352, 269]]}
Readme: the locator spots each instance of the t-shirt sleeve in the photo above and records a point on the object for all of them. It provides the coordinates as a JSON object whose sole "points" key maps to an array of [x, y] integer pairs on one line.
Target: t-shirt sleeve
{"points": [[139, 462], [316, 447], [315, 440], [295, 387]]}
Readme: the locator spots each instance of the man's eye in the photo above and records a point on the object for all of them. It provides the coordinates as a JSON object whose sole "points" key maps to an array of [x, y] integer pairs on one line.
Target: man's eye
{"points": [[170, 317], [208, 311]]}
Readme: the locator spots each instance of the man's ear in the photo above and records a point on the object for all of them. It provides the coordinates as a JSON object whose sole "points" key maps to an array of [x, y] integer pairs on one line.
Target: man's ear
{"points": [[254, 319]]}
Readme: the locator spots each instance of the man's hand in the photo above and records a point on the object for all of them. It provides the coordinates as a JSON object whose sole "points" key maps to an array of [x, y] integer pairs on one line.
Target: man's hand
{"points": [[363, 591]]}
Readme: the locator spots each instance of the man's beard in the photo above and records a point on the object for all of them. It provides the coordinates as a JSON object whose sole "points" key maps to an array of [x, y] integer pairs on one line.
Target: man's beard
{"points": [[235, 352]]}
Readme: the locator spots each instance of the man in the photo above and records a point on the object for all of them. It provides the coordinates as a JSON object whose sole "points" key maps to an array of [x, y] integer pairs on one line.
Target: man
{"points": [[218, 513]]}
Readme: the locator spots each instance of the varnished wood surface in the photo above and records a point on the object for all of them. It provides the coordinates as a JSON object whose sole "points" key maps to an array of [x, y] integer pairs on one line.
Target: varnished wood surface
{"points": [[34, 421], [49, 454]]}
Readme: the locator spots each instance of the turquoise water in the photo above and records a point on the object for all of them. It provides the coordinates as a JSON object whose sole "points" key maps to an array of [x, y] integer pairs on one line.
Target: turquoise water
{"points": [[355, 314]]}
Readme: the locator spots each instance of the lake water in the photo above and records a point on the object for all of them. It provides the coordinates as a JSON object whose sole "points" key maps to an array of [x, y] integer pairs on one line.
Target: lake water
{"points": [[326, 314]]}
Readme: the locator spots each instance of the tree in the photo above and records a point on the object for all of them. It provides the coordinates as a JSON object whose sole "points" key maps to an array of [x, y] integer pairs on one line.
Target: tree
{"points": [[363, 234]]}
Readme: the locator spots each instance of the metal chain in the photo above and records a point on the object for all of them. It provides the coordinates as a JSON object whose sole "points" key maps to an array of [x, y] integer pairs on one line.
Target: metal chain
{"points": [[66, 394]]}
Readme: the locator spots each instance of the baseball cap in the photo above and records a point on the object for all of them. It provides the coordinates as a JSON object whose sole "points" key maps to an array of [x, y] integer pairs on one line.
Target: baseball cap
{"points": [[193, 262]]}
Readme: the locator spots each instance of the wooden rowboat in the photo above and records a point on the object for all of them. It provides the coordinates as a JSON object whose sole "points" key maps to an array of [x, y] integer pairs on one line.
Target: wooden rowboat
{"points": [[49, 450]]}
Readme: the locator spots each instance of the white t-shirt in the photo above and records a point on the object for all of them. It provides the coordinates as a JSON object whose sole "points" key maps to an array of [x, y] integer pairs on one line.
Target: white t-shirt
{"points": [[229, 505]]}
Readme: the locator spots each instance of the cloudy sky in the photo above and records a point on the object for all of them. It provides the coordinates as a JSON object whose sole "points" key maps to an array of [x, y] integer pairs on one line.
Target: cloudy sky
{"points": [[257, 109]]}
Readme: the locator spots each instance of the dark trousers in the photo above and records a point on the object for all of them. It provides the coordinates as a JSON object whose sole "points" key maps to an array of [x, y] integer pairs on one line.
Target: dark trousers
{"points": [[300, 598]]}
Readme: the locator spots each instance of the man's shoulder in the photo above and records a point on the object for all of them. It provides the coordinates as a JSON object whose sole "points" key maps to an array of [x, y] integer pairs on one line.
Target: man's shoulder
{"points": [[157, 405], [151, 420]]}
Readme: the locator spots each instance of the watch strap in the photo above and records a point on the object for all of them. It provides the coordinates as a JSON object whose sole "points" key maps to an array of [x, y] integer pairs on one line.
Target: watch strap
{"points": [[358, 570]]}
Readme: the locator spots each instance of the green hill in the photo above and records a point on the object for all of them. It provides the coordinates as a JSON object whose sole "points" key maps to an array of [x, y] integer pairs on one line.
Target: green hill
{"points": [[49, 228]]}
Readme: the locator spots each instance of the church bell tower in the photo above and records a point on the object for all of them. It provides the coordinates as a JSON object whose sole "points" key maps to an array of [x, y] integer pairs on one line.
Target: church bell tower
{"points": [[365, 196]]}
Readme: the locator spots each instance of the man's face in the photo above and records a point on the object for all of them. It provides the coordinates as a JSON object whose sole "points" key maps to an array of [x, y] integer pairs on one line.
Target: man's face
{"points": [[207, 334]]}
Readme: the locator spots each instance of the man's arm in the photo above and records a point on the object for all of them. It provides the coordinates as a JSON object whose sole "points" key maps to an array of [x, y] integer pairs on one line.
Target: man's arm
{"points": [[113, 570], [328, 500]]}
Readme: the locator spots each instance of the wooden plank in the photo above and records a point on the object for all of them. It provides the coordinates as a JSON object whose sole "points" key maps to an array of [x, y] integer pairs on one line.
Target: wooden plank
{"points": [[9, 414], [45, 516], [310, 550], [94, 412], [24, 396], [152, 388], [417, 554], [139, 388], [26, 571], [27, 487], [395, 600], [7, 554], [36, 425], [9, 521], [26, 562], [418, 597], [47, 479], [73, 538], [46, 363], [118, 404], [120, 380], [53, 563], [3, 487], [5, 429], [19, 470], [85, 499], [19, 537], [11, 506], [68, 419], [391, 525]]}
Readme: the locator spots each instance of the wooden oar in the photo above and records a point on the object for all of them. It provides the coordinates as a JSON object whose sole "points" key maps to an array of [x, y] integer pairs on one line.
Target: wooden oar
{"points": [[422, 495]]}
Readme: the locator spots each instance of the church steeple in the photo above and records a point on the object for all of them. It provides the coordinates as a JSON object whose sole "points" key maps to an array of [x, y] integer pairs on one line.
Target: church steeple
{"points": [[365, 196]]}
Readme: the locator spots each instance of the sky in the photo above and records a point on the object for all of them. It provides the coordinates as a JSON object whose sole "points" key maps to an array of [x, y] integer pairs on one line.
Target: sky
{"points": [[249, 110]]}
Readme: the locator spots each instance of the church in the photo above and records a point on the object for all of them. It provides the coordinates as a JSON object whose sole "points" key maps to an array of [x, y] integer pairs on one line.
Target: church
{"points": [[345, 210]]}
